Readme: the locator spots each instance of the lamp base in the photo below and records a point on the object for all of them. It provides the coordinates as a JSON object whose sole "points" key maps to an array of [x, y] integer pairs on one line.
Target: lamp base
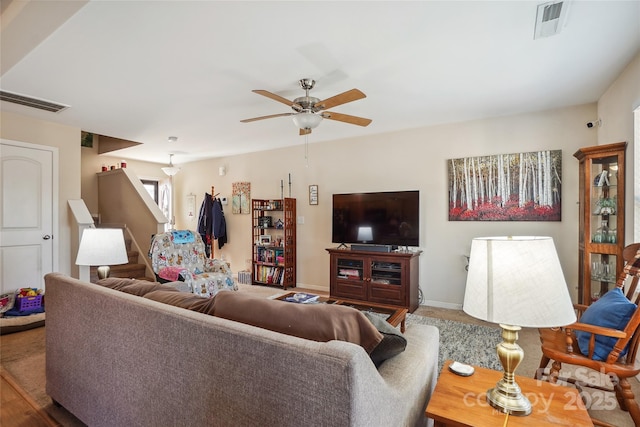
{"points": [[509, 399], [506, 396], [103, 271]]}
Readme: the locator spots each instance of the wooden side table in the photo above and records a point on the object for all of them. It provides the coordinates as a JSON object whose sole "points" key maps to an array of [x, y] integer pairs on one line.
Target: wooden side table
{"points": [[461, 402]]}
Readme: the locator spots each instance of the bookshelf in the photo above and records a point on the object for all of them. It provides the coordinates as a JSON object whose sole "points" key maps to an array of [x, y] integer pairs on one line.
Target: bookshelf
{"points": [[273, 224]]}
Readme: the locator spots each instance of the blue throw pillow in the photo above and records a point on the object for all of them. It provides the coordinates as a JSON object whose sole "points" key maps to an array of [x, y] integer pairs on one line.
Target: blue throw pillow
{"points": [[613, 310]]}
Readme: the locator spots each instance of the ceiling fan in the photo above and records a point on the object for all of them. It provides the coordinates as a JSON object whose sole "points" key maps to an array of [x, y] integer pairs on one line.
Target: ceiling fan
{"points": [[309, 111]]}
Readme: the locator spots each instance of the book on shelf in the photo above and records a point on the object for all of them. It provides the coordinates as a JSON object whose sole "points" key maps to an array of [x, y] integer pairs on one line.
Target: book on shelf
{"points": [[269, 275], [302, 298]]}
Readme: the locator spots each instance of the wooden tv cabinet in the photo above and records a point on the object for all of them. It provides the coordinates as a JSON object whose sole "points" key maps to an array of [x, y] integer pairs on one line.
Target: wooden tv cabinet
{"points": [[379, 277]]}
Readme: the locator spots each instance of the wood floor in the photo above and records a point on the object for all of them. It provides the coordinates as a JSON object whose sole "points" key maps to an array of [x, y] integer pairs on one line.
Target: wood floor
{"points": [[18, 409]]}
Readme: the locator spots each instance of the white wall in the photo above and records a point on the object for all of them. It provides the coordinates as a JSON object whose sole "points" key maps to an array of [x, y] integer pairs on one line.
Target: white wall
{"points": [[615, 108], [412, 159]]}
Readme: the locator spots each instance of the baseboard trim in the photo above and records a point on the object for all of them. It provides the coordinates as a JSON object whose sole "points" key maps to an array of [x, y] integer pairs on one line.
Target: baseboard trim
{"points": [[440, 304]]}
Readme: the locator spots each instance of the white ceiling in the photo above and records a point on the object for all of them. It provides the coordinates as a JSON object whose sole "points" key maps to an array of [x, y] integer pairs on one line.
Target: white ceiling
{"points": [[146, 70]]}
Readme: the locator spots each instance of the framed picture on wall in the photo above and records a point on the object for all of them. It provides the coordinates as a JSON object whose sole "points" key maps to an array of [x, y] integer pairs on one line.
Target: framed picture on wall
{"points": [[506, 187], [191, 206], [313, 194], [240, 197]]}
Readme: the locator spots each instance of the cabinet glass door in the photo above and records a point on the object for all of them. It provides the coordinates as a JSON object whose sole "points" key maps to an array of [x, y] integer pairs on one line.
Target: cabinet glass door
{"points": [[604, 200], [350, 269], [387, 273], [603, 274]]}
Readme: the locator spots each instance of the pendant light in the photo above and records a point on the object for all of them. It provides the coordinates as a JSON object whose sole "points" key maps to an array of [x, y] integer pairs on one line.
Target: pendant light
{"points": [[170, 170]]}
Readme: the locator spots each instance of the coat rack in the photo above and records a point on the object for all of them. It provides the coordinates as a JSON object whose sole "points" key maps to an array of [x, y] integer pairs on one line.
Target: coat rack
{"points": [[213, 197]]}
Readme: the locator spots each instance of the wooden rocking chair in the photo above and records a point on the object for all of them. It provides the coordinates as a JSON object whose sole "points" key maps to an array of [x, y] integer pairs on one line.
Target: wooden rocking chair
{"points": [[560, 345]]}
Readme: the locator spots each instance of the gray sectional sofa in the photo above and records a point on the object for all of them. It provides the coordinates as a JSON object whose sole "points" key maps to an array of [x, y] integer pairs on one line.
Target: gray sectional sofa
{"points": [[115, 359]]}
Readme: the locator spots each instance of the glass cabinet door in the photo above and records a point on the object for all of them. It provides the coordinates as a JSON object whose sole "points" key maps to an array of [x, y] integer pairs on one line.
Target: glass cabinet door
{"points": [[604, 200], [603, 274], [601, 221], [387, 273], [350, 269]]}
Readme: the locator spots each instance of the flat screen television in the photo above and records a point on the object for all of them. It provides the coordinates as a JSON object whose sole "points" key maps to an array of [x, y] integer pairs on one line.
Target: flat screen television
{"points": [[383, 218]]}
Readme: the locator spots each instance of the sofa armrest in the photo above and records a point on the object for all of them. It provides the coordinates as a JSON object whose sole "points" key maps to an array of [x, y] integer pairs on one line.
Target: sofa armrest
{"points": [[408, 380], [413, 374]]}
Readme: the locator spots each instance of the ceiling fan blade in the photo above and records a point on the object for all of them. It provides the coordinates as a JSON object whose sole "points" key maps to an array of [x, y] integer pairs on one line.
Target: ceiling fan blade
{"points": [[305, 132], [343, 98], [276, 97], [360, 121], [266, 117]]}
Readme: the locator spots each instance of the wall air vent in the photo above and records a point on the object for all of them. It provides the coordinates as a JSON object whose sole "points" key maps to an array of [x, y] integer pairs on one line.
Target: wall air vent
{"points": [[550, 18], [32, 102]]}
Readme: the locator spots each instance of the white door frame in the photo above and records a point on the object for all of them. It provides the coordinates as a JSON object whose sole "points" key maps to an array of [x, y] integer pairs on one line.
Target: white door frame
{"points": [[54, 191]]}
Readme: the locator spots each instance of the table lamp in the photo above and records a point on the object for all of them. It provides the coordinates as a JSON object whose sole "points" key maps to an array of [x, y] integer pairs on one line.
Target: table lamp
{"points": [[102, 247], [516, 282]]}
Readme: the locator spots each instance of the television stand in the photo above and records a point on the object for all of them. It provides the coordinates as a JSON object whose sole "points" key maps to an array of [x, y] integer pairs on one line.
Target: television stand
{"points": [[342, 246], [376, 277]]}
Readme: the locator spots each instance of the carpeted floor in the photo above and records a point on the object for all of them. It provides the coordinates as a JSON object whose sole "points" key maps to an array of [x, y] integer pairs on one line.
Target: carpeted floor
{"points": [[478, 346], [463, 338]]}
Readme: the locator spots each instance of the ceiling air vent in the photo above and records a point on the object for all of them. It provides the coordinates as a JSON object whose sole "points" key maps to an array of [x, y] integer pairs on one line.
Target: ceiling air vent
{"points": [[32, 102], [550, 18]]}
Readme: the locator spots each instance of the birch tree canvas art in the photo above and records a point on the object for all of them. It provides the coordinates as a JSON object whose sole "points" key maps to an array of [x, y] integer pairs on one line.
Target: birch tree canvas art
{"points": [[506, 187]]}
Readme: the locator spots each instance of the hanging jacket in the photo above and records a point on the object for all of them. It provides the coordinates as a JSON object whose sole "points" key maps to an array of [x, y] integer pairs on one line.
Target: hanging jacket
{"points": [[219, 223], [205, 222]]}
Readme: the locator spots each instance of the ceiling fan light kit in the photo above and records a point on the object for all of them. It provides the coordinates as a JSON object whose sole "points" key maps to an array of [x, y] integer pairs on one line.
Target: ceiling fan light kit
{"points": [[307, 120], [306, 108]]}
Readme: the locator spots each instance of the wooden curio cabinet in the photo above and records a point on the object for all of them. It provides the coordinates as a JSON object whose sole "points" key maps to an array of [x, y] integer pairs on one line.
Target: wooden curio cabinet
{"points": [[601, 222], [274, 242]]}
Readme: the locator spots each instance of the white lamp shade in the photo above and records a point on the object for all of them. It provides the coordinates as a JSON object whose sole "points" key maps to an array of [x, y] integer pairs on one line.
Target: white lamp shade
{"points": [[517, 281], [307, 120], [102, 246]]}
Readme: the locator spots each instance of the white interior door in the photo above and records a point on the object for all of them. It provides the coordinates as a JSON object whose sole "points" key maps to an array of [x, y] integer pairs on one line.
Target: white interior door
{"points": [[26, 216]]}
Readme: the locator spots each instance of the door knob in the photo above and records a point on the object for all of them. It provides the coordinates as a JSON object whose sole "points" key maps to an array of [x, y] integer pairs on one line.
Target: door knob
{"points": [[46, 237]]}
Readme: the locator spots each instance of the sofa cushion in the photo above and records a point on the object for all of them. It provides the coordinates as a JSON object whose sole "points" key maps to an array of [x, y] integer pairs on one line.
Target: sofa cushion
{"points": [[392, 344], [613, 310], [316, 322], [183, 299], [133, 286]]}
